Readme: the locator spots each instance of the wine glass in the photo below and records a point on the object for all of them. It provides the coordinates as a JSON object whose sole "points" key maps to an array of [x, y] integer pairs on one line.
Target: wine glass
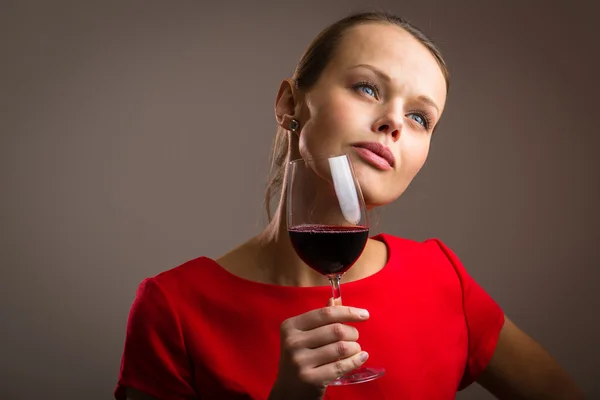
{"points": [[328, 227]]}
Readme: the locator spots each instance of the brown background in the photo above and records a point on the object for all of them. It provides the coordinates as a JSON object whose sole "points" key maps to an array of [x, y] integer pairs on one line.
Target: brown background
{"points": [[135, 136]]}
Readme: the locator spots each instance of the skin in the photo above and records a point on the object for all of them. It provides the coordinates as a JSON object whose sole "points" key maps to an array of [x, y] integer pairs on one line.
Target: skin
{"points": [[385, 86]]}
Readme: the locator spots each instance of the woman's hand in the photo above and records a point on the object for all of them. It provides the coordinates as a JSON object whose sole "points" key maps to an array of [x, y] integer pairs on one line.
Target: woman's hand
{"points": [[316, 348]]}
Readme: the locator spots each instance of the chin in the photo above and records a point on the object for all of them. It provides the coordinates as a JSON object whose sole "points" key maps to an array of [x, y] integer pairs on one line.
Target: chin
{"points": [[377, 195], [372, 202], [378, 187]]}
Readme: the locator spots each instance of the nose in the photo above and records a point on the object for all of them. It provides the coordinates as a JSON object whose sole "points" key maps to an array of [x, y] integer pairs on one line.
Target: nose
{"points": [[390, 124]]}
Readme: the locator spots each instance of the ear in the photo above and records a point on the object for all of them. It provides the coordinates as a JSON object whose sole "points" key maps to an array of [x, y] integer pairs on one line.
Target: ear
{"points": [[286, 103]]}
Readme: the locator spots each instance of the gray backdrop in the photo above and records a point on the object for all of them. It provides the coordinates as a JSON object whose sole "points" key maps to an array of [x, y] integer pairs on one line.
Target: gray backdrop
{"points": [[116, 117]]}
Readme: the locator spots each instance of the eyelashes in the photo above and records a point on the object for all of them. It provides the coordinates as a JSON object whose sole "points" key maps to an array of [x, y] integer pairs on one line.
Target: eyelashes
{"points": [[367, 85], [371, 89], [425, 119]]}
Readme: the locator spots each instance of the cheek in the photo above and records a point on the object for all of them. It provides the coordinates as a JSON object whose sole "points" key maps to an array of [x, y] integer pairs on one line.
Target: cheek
{"points": [[413, 154], [328, 129]]}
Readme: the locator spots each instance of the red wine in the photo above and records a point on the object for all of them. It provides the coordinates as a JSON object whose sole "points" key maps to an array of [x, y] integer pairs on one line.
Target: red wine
{"points": [[329, 250]]}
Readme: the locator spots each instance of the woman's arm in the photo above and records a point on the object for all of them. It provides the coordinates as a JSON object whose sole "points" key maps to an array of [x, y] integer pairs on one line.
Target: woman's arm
{"points": [[133, 394], [522, 369]]}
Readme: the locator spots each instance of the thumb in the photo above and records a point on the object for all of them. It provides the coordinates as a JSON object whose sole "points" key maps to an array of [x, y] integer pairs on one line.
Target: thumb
{"points": [[332, 302]]}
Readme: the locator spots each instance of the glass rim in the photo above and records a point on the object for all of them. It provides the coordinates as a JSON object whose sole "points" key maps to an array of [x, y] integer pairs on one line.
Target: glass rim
{"points": [[298, 160]]}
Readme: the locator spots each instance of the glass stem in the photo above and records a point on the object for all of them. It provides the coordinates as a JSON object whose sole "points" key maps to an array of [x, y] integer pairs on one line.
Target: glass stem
{"points": [[335, 290]]}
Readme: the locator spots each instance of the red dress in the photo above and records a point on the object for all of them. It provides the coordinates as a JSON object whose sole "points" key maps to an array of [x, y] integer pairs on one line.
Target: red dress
{"points": [[198, 332]]}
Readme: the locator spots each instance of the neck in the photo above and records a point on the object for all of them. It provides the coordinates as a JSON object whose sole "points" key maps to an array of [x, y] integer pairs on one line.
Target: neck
{"points": [[278, 257]]}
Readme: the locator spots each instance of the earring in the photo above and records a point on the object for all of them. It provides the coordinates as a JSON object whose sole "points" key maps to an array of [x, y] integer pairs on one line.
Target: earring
{"points": [[294, 125]]}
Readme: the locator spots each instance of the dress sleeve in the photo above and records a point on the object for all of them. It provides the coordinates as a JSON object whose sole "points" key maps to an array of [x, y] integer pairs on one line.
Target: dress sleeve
{"points": [[154, 359], [484, 319]]}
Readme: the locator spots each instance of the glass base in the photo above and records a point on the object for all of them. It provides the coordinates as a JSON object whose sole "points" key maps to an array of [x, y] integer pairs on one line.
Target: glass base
{"points": [[359, 375]]}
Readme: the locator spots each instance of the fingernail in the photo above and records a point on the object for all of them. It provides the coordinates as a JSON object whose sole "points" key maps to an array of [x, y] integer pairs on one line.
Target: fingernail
{"points": [[363, 356], [363, 314]]}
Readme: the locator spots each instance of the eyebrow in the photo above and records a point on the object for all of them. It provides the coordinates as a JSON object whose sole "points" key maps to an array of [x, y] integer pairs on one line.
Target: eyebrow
{"points": [[424, 99]]}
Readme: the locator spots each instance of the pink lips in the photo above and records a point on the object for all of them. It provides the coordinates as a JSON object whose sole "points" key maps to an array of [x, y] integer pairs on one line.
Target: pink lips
{"points": [[376, 154]]}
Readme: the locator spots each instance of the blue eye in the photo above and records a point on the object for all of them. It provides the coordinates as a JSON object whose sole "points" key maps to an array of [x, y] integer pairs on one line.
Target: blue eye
{"points": [[420, 119], [367, 88]]}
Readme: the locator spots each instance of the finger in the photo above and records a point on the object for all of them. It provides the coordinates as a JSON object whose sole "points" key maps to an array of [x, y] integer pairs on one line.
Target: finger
{"points": [[332, 352], [328, 315], [336, 302], [329, 372], [328, 334]]}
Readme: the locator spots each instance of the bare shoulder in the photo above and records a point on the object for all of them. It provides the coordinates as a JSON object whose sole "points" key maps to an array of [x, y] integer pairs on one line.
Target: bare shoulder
{"points": [[379, 248], [240, 261], [134, 394], [522, 369], [377, 253], [373, 259]]}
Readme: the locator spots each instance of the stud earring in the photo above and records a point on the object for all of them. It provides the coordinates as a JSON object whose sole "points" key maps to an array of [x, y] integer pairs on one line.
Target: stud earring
{"points": [[294, 125]]}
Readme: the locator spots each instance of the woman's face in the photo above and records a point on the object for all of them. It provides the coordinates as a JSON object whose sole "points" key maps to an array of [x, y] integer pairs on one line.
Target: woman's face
{"points": [[382, 91]]}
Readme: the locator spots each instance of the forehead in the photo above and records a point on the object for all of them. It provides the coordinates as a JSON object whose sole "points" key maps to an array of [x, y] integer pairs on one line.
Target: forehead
{"points": [[394, 51]]}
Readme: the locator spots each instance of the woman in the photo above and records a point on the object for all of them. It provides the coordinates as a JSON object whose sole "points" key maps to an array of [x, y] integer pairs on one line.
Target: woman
{"points": [[250, 325]]}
